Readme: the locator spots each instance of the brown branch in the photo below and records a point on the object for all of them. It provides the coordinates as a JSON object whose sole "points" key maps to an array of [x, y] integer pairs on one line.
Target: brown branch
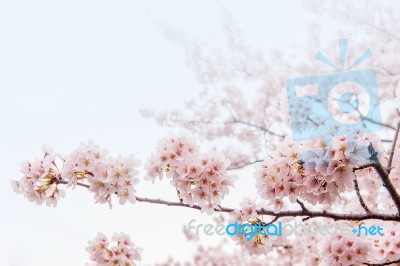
{"points": [[235, 120], [64, 182], [360, 198], [311, 214], [300, 213], [303, 207], [363, 166], [236, 167], [272, 221], [232, 122], [377, 123], [387, 183], [379, 29], [383, 264], [396, 136], [257, 127], [365, 117]]}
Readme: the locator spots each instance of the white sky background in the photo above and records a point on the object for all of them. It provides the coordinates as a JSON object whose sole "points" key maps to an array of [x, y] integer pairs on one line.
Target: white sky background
{"points": [[71, 71]]}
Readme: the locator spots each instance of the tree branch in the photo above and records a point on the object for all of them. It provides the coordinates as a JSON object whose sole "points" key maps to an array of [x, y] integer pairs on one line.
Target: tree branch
{"points": [[377, 123], [311, 214], [257, 127], [303, 207], [396, 136], [360, 198], [234, 121], [300, 213], [387, 183], [383, 264], [236, 167]]}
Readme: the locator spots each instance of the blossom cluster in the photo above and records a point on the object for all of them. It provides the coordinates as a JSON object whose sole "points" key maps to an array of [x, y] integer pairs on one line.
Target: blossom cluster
{"points": [[89, 165], [106, 175], [120, 251], [40, 179], [200, 179], [247, 214], [356, 250], [387, 248], [344, 250], [316, 171]]}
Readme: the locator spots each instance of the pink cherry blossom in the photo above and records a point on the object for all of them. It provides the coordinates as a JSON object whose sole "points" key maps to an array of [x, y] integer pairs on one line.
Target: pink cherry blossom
{"points": [[312, 171], [120, 251], [201, 179], [88, 165]]}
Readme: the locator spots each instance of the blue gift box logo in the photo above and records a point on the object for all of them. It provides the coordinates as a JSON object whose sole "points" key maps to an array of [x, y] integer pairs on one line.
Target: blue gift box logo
{"points": [[310, 114]]}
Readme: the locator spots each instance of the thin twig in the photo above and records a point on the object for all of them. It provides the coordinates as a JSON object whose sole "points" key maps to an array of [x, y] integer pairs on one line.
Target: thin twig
{"points": [[360, 198], [257, 127], [383, 264], [387, 183], [396, 136], [303, 207], [375, 122], [363, 166], [237, 167], [272, 221]]}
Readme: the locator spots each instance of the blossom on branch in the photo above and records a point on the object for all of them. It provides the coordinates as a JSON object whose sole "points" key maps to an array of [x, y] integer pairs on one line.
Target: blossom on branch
{"points": [[89, 165], [201, 179], [39, 182], [120, 251], [314, 171]]}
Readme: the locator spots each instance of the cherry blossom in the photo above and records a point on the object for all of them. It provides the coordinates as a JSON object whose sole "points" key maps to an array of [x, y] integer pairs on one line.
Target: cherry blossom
{"points": [[315, 171], [120, 251], [343, 250], [89, 165], [243, 107], [259, 243], [39, 182], [200, 179]]}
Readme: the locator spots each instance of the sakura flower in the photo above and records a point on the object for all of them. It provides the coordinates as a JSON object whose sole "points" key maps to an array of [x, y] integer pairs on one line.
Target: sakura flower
{"points": [[105, 176], [387, 247], [120, 251], [278, 205], [344, 250], [40, 180], [201, 179], [248, 208], [126, 195], [247, 215], [343, 175], [313, 171]]}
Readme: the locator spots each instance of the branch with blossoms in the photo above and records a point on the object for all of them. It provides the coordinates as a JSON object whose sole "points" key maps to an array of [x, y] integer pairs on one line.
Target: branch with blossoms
{"points": [[309, 173], [321, 178], [262, 211], [297, 171], [277, 215]]}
